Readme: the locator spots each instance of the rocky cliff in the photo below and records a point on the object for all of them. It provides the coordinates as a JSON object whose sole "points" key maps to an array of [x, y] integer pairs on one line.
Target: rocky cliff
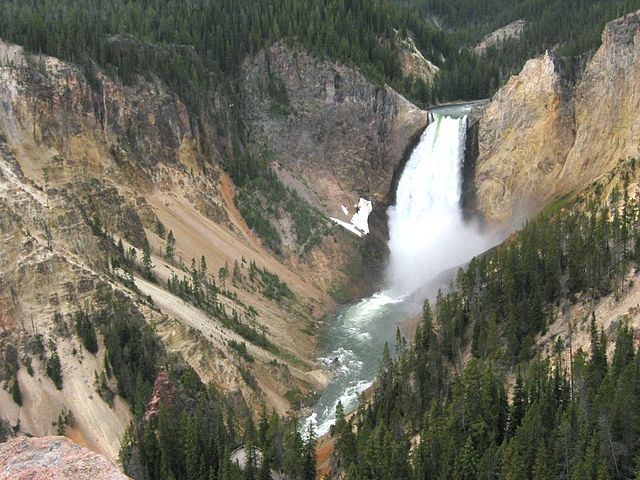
{"points": [[84, 166], [607, 106], [544, 135], [509, 32], [339, 137], [53, 458], [524, 136], [95, 175]]}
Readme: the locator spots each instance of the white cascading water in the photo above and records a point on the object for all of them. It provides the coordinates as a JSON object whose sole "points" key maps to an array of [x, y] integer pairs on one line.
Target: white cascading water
{"points": [[427, 234]]}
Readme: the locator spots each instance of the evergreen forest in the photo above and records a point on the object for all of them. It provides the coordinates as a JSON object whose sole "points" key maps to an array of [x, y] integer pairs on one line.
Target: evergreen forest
{"points": [[505, 410]]}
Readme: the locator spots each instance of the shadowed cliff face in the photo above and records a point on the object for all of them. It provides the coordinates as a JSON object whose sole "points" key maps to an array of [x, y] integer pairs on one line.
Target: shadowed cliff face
{"points": [[542, 137], [337, 138], [341, 136]]}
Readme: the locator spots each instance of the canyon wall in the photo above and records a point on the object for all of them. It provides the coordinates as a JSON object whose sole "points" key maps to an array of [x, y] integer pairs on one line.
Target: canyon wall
{"points": [[545, 134], [91, 169], [336, 138]]}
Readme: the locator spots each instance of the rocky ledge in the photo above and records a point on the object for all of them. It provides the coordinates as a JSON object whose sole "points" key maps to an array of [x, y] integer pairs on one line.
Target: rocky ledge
{"points": [[53, 458]]}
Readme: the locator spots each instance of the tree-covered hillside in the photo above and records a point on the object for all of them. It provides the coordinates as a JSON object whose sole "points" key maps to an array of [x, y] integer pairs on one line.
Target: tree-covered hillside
{"points": [[206, 41], [571, 27], [574, 415]]}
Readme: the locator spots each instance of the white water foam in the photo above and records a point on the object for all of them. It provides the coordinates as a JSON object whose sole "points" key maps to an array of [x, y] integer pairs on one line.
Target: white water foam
{"points": [[427, 234]]}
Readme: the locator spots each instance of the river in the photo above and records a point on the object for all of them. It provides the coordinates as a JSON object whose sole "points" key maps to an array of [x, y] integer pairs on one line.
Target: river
{"points": [[427, 236]]}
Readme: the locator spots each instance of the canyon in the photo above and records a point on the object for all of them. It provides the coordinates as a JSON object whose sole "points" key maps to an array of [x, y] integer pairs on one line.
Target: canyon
{"points": [[84, 166]]}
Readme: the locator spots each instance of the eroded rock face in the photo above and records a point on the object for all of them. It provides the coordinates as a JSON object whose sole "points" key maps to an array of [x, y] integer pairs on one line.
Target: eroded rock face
{"points": [[53, 458], [524, 136], [541, 138], [607, 106], [339, 137], [413, 62], [508, 32], [80, 158]]}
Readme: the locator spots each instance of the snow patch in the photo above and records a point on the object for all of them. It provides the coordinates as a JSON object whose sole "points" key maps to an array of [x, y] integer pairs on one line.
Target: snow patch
{"points": [[359, 224]]}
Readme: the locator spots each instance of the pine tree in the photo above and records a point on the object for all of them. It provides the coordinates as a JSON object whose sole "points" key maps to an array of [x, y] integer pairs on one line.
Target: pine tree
{"points": [[542, 468], [168, 446], [150, 453], [16, 393], [192, 447], [468, 461], [54, 369], [147, 264], [518, 406], [170, 249], [309, 453], [597, 365], [86, 332]]}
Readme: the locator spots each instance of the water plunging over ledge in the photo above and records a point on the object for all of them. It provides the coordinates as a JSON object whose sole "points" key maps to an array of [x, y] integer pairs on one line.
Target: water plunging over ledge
{"points": [[427, 236]]}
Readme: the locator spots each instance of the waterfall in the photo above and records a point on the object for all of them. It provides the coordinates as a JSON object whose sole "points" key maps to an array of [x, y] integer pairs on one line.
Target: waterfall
{"points": [[427, 234]]}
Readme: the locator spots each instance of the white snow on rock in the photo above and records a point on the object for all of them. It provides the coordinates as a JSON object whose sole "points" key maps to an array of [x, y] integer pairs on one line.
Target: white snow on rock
{"points": [[361, 218], [359, 224]]}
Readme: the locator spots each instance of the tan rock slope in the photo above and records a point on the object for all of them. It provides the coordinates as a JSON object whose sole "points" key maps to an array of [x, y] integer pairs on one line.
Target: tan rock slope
{"points": [[511, 31], [542, 136], [607, 105], [53, 458]]}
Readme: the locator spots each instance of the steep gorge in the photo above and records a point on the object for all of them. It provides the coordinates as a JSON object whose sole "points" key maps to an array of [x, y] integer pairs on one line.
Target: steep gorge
{"points": [[133, 163], [87, 164]]}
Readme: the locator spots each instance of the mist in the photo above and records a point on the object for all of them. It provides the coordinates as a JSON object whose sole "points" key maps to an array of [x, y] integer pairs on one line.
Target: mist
{"points": [[427, 233]]}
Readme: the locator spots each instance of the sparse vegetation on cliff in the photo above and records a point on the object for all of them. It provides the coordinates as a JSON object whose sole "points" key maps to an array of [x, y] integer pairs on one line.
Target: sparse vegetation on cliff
{"points": [[192, 433], [200, 289]]}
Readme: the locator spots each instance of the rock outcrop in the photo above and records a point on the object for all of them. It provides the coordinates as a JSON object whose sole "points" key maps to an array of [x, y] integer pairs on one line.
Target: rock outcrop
{"points": [[53, 458], [542, 136], [342, 136], [504, 34], [524, 136], [413, 62], [607, 106]]}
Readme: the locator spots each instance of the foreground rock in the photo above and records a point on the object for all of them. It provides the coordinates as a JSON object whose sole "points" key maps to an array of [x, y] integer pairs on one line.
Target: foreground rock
{"points": [[53, 458]]}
